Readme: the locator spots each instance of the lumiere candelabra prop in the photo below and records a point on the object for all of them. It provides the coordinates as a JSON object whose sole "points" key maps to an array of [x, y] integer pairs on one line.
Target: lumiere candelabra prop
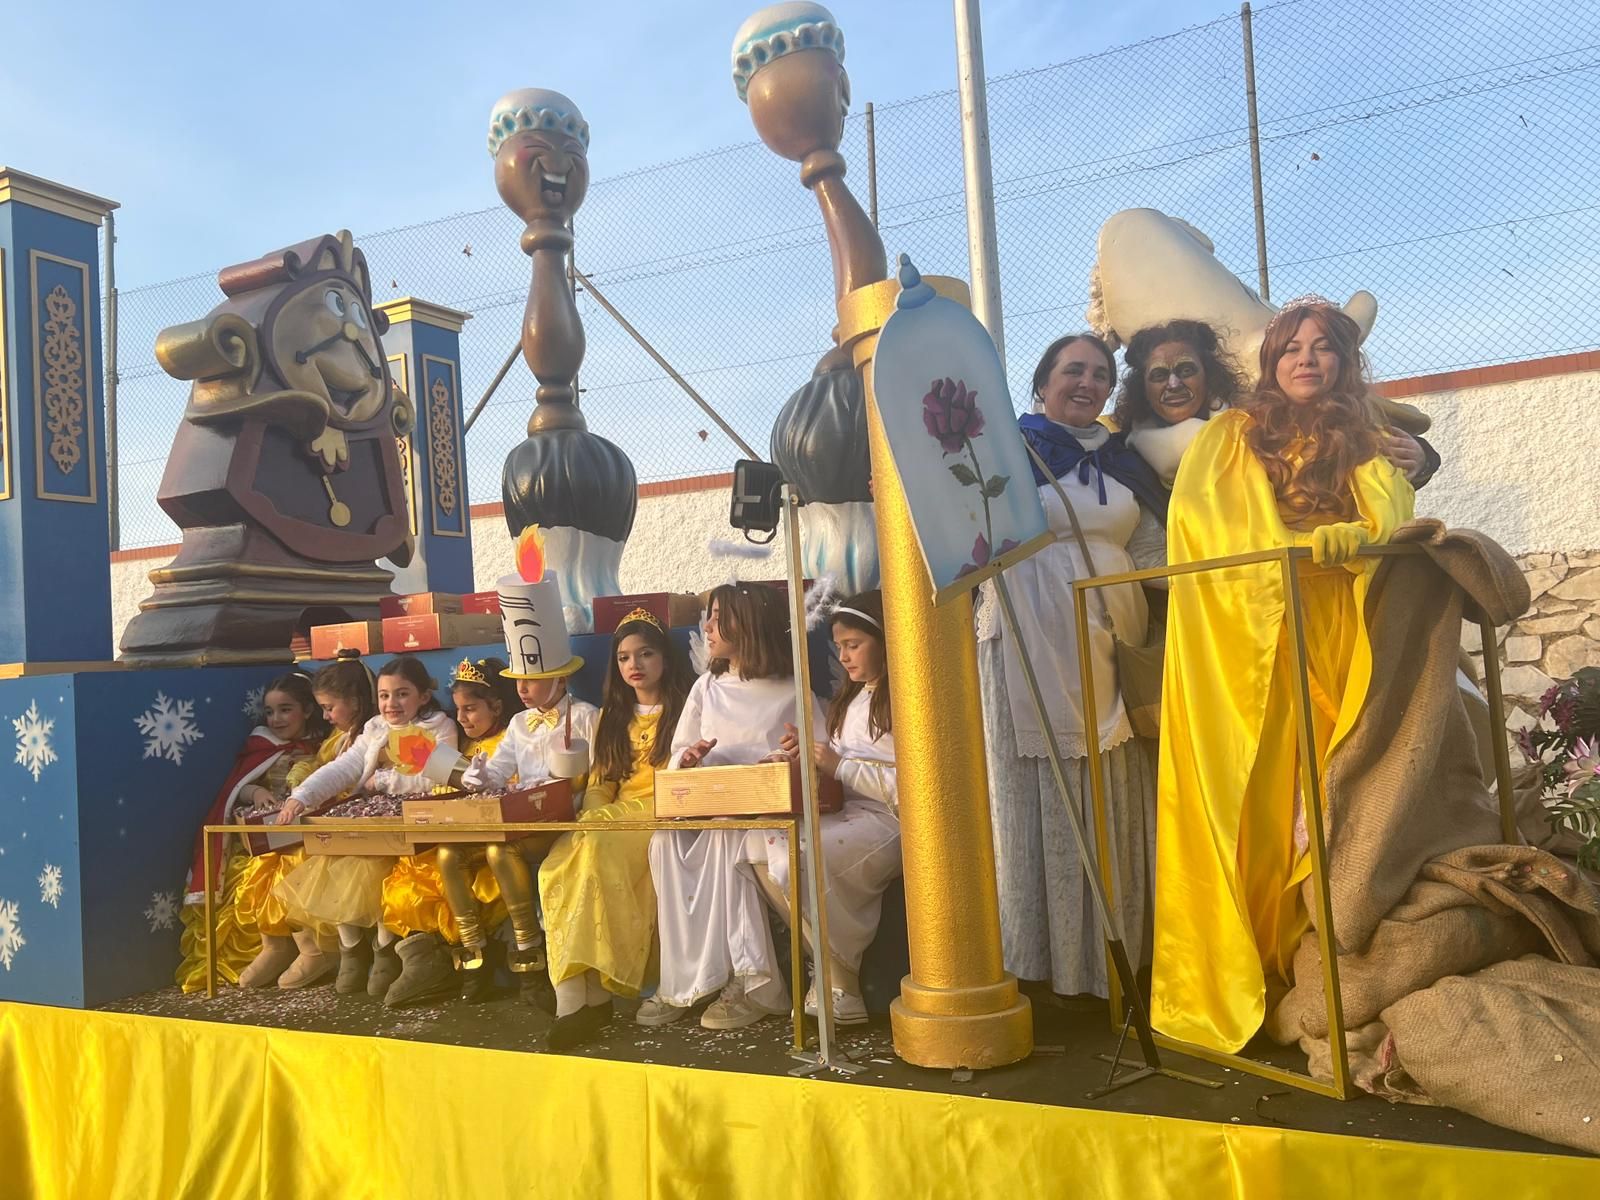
{"points": [[958, 1007], [284, 476], [579, 488]]}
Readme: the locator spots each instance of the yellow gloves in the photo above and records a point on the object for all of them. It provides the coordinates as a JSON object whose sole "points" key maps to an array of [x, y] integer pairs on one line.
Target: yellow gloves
{"points": [[1335, 544]]}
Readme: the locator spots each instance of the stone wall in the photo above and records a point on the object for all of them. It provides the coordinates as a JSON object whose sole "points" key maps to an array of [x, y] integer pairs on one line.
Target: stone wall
{"points": [[1559, 634]]}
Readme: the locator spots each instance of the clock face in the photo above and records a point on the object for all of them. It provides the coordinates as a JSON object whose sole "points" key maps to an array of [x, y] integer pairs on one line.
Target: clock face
{"points": [[322, 338]]}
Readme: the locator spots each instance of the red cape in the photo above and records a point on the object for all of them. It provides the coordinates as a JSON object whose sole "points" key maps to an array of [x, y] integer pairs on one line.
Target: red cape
{"points": [[261, 750]]}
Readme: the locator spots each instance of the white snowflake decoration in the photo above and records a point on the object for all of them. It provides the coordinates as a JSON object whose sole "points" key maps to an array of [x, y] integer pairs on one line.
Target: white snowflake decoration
{"points": [[254, 700], [163, 911], [34, 751], [168, 726], [50, 886], [11, 939]]}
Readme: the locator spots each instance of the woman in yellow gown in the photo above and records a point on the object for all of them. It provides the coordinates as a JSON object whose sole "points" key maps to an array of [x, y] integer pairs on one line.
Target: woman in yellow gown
{"points": [[1298, 465], [598, 900], [415, 907]]}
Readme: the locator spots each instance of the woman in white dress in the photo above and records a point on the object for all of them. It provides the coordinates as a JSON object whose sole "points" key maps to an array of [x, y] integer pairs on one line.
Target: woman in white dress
{"points": [[1047, 920], [712, 919]]}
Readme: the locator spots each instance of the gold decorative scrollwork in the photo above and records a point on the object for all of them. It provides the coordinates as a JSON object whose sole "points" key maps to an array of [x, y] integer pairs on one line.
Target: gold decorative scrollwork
{"points": [[64, 397], [442, 441], [403, 446]]}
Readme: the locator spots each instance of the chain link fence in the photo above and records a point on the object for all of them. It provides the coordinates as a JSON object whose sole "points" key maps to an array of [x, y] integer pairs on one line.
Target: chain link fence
{"points": [[1438, 154]]}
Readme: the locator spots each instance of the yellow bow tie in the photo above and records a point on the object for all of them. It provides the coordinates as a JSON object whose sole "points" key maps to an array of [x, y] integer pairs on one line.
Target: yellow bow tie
{"points": [[543, 718]]}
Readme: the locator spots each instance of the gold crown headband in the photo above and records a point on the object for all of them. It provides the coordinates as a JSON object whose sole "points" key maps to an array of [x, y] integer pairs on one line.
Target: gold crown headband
{"points": [[642, 614], [470, 672]]}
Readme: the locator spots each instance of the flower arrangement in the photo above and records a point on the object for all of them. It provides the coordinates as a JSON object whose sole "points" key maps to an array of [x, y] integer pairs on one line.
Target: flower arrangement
{"points": [[1565, 746]]}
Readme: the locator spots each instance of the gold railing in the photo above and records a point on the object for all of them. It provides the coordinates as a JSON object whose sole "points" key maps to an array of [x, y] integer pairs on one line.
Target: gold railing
{"points": [[788, 824], [1287, 559]]}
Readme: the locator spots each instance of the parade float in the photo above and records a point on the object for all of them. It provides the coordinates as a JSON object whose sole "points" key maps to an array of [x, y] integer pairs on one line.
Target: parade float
{"points": [[321, 453]]}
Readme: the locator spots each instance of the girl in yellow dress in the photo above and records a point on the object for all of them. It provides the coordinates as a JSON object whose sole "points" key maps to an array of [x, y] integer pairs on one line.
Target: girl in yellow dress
{"points": [[346, 692], [248, 953], [1300, 464], [414, 905], [599, 903], [347, 890]]}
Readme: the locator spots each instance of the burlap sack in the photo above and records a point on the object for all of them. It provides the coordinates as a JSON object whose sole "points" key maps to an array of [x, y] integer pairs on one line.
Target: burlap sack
{"points": [[1517, 1044]]}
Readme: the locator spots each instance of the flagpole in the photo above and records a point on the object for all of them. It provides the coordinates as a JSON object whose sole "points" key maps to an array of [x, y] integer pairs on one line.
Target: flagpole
{"points": [[983, 250]]}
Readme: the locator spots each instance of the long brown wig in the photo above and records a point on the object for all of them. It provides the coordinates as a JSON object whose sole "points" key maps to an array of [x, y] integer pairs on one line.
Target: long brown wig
{"points": [[613, 753], [349, 679], [1330, 436], [1223, 383], [500, 691], [879, 719], [297, 686], [753, 617]]}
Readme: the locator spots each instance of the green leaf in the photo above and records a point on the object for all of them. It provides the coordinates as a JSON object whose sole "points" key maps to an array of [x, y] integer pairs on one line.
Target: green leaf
{"points": [[996, 485], [964, 473]]}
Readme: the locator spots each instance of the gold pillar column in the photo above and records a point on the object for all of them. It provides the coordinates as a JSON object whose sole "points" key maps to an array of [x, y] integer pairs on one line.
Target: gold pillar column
{"points": [[958, 1007]]}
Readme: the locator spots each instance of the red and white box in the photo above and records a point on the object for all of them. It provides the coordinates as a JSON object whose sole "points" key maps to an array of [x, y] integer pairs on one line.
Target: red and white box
{"points": [[673, 609], [328, 640], [481, 602], [273, 837], [439, 631], [417, 604], [551, 801]]}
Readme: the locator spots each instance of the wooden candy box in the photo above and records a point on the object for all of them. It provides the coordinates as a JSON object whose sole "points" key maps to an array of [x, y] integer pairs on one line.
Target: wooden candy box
{"points": [[378, 842], [551, 801], [271, 839], [758, 790]]}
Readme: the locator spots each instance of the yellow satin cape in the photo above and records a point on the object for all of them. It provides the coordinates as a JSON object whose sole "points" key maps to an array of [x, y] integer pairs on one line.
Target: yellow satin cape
{"points": [[1227, 872]]}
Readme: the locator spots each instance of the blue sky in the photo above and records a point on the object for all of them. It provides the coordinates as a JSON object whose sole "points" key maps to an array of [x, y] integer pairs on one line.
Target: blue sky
{"points": [[226, 130], [1440, 153]]}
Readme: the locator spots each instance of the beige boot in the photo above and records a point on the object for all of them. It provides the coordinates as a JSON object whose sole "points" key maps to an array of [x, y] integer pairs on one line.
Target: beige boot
{"points": [[276, 955], [312, 966]]}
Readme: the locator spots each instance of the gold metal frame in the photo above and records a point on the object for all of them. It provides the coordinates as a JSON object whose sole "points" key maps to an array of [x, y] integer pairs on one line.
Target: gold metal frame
{"points": [[789, 824], [404, 443], [1287, 559]]}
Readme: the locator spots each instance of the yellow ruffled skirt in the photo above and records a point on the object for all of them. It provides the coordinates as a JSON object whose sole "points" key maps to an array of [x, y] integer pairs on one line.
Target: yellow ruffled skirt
{"points": [[238, 941], [327, 890], [414, 900], [600, 903], [257, 902]]}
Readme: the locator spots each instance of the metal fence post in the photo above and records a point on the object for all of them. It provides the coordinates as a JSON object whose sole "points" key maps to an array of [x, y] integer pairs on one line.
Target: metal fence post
{"points": [[1255, 153], [872, 166]]}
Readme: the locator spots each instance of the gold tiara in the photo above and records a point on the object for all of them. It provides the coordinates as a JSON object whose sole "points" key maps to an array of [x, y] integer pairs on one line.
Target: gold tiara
{"points": [[642, 614], [470, 672]]}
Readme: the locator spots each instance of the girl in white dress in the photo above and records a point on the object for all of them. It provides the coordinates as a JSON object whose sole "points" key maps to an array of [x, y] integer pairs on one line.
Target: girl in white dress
{"points": [[712, 920], [861, 842]]}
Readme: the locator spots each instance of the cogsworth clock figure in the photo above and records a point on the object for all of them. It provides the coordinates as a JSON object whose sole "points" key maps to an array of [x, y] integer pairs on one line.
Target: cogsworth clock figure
{"points": [[285, 475]]}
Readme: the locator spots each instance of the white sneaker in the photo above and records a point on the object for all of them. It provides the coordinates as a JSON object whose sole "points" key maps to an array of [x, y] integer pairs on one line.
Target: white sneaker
{"points": [[656, 1011], [733, 1009], [848, 1009]]}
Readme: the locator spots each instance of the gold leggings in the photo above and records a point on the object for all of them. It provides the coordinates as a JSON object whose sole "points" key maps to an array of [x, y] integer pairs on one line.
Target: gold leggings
{"points": [[512, 864]]}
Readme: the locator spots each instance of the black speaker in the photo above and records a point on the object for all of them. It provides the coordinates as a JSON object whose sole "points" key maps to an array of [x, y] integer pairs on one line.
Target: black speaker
{"points": [[756, 488]]}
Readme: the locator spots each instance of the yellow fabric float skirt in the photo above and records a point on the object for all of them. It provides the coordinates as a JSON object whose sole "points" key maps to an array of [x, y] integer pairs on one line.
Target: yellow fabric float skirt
{"points": [[238, 942], [414, 900], [599, 902]]}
